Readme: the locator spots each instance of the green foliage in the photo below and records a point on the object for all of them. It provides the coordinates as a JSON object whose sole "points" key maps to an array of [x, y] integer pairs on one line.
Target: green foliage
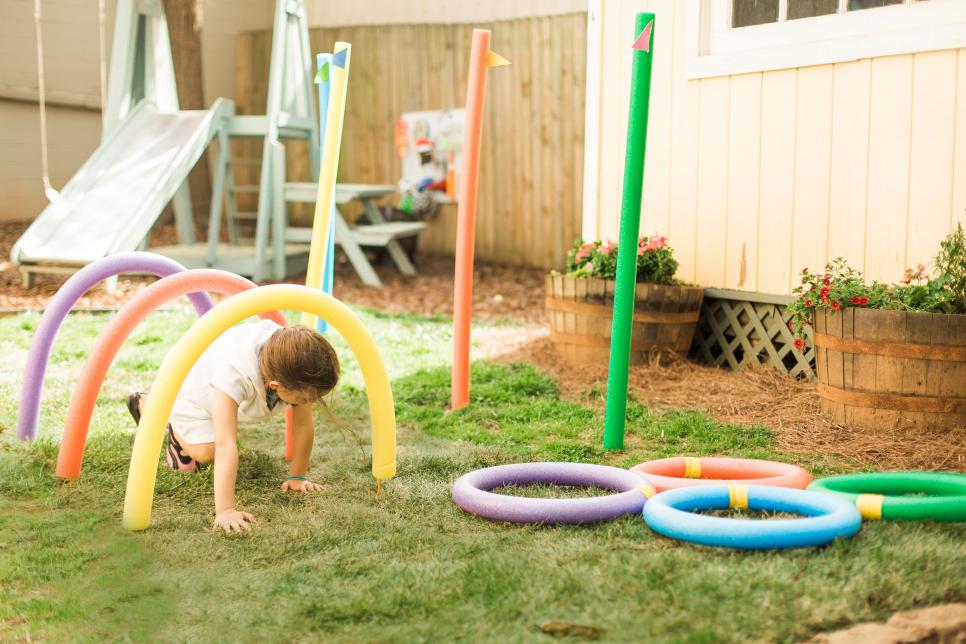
{"points": [[951, 265], [655, 260]]}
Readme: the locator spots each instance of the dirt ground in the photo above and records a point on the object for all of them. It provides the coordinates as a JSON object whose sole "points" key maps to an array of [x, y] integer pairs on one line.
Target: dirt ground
{"points": [[752, 396]]}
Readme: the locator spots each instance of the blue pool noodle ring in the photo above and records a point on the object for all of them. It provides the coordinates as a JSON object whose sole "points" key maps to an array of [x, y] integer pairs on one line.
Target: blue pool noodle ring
{"points": [[672, 513]]}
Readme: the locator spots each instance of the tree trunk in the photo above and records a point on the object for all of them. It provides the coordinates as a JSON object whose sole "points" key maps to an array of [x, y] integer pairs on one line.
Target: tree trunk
{"points": [[185, 19]]}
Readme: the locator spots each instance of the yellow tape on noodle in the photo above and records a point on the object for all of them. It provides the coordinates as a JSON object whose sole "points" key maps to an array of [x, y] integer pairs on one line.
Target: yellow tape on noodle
{"points": [[870, 505], [692, 468], [646, 490], [738, 496]]}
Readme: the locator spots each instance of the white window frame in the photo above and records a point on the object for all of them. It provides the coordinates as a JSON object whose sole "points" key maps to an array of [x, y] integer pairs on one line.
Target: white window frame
{"points": [[714, 48]]}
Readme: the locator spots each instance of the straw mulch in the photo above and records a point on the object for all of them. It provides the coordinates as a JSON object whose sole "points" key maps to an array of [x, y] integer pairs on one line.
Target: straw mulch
{"points": [[755, 396]]}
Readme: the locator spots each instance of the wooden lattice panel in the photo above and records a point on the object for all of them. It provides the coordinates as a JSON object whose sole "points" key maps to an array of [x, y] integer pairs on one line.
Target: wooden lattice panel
{"points": [[738, 328]]}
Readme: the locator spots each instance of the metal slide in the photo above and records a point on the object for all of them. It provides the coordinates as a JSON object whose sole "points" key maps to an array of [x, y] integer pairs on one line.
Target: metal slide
{"points": [[111, 203]]}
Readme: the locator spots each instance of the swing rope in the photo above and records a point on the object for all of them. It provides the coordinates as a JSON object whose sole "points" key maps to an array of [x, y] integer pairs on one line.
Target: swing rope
{"points": [[52, 195]]}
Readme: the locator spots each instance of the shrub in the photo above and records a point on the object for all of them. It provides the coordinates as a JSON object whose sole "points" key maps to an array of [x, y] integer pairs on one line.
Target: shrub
{"points": [[655, 260], [841, 286]]}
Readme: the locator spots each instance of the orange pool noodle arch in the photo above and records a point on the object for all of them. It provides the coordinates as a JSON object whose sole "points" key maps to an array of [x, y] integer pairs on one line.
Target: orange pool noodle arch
{"points": [[71, 454]]}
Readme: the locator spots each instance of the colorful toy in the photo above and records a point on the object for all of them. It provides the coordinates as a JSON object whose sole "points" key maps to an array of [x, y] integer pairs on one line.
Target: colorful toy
{"points": [[882, 495], [321, 224], [71, 453], [61, 304], [620, 344], [328, 272], [471, 493], [480, 58], [671, 473], [672, 514], [178, 362]]}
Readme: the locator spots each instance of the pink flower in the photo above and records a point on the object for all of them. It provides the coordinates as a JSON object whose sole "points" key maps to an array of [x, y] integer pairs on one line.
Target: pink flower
{"points": [[607, 247], [589, 267], [654, 243], [581, 254]]}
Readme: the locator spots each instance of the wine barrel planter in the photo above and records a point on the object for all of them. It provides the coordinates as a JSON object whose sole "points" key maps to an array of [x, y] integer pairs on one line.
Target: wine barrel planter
{"points": [[580, 309], [883, 369]]}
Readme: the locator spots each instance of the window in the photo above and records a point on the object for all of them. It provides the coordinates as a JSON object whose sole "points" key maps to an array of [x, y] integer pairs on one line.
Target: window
{"points": [[738, 36]]}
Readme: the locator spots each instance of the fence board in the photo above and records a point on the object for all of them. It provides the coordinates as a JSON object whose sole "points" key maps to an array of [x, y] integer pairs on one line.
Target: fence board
{"points": [[528, 210]]}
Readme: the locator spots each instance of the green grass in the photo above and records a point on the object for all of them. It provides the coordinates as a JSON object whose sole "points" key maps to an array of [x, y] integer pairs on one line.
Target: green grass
{"points": [[345, 566]]}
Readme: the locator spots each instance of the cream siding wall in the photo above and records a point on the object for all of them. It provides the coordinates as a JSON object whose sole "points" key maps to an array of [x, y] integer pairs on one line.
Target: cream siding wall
{"points": [[757, 175]]}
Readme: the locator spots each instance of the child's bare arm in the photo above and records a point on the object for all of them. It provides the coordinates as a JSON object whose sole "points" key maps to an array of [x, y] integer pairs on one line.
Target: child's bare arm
{"points": [[303, 436], [225, 417]]}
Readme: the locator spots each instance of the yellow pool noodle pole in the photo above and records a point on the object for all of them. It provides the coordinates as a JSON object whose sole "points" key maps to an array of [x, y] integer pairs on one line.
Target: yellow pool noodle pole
{"points": [[179, 360], [328, 169]]}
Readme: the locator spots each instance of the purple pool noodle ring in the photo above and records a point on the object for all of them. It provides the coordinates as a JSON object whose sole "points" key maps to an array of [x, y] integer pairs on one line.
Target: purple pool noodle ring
{"points": [[61, 304], [471, 493]]}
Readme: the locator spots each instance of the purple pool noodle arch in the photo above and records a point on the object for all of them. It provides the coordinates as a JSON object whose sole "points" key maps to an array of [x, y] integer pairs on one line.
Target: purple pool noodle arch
{"points": [[470, 492], [61, 304]]}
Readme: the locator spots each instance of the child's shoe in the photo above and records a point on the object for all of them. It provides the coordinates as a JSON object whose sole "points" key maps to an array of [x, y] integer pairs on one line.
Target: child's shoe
{"points": [[134, 406], [175, 456]]}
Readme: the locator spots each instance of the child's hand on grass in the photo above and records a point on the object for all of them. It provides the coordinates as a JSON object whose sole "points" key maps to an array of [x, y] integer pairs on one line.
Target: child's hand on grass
{"points": [[231, 520], [300, 486]]}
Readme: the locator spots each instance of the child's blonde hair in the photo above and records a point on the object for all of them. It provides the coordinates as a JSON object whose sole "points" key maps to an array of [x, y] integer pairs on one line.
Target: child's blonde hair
{"points": [[300, 359]]}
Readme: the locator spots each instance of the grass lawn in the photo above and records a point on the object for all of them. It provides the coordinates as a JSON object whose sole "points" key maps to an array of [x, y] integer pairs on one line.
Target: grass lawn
{"points": [[345, 565]]}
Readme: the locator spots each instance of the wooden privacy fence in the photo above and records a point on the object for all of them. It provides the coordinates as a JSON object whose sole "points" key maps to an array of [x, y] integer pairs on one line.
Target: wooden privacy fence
{"points": [[531, 169]]}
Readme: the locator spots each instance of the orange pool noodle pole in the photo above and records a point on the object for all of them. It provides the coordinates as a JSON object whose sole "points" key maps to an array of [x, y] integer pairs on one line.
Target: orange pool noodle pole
{"points": [[71, 453], [480, 58]]}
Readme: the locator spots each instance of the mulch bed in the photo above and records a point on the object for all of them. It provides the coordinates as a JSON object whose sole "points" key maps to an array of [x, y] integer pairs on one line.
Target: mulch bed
{"points": [[752, 396]]}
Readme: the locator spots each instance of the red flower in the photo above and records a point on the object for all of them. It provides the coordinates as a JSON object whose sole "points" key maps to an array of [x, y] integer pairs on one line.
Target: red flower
{"points": [[824, 292], [856, 299], [825, 299], [791, 324], [836, 305], [864, 301], [799, 344], [808, 302], [827, 281]]}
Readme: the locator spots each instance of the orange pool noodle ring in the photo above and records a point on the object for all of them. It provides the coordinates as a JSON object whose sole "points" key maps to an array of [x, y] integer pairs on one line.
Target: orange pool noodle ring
{"points": [[685, 471], [71, 453]]}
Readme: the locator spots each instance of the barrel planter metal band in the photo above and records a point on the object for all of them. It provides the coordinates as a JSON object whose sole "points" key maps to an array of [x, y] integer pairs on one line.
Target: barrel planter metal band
{"points": [[672, 514], [945, 353], [894, 402], [604, 311], [883, 495], [672, 473], [471, 493]]}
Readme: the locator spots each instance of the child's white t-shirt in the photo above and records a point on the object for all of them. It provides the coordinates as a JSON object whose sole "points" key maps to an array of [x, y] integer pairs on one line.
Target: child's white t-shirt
{"points": [[230, 364]]}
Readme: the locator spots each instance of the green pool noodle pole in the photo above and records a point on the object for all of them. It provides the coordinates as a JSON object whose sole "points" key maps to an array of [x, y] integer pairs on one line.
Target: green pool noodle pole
{"points": [[620, 341]]}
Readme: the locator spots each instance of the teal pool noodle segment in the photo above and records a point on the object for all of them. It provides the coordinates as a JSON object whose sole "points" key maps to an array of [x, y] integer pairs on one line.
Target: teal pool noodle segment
{"points": [[322, 62]]}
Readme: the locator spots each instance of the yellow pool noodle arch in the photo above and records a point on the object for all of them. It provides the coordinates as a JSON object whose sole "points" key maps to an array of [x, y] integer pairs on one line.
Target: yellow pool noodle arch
{"points": [[178, 362]]}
